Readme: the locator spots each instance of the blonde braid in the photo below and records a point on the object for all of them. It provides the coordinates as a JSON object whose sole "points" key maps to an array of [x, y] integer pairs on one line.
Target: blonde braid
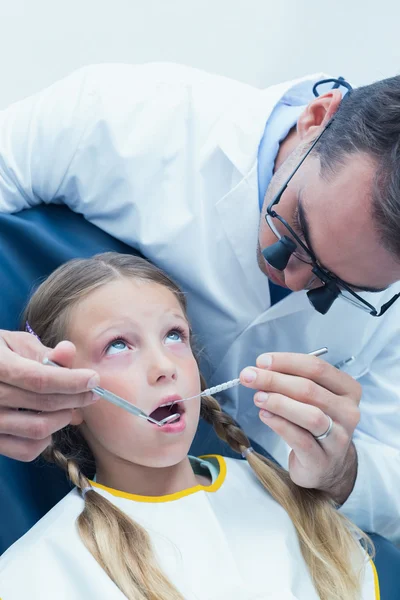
{"points": [[121, 546], [327, 539]]}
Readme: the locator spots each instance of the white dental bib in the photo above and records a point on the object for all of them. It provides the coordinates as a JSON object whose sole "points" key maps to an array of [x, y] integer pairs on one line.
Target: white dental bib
{"points": [[226, 541]]}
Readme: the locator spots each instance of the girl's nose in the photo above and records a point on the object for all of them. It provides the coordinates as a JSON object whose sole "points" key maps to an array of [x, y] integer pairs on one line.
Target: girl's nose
{"points": [[161, 368]]}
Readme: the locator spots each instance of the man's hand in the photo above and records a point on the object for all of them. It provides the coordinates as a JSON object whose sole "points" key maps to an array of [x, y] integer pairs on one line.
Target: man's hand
{"points": [[26, 383], [296, 393]]}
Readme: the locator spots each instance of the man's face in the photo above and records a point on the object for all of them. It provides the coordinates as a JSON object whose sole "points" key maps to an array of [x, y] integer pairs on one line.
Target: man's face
{"points": [[340, 227]]}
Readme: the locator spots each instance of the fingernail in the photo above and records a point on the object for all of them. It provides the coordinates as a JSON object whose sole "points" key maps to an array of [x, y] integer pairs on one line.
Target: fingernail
{"points": [[249, 375], [94, 397], [266, 414], [264, 361], [261, 398], [93, 382]]}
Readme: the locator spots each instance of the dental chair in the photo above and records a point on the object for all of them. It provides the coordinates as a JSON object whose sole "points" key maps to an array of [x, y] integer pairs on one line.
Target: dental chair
{"points": [[32, 244]]}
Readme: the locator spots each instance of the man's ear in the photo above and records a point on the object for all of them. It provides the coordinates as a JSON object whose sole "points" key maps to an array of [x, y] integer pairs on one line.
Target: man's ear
{"points": [[77, 417], [317, 114]]}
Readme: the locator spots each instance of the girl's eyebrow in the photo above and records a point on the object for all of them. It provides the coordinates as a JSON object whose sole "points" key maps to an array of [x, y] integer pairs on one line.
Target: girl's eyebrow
{"points": [[304, 223], [114, 327], [178, 316], [124, 322]]}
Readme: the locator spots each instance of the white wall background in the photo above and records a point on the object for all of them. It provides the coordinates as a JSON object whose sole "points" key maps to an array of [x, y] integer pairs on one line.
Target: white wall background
{"points": [[257, 41]]}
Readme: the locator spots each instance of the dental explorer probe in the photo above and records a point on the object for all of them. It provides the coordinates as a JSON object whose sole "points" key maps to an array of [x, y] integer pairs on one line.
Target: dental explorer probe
{"points": [[229, 384], [118, 401]]}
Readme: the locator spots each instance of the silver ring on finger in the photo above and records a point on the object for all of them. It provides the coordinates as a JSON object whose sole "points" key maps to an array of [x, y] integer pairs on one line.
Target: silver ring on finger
{"points": [[327, 432]]}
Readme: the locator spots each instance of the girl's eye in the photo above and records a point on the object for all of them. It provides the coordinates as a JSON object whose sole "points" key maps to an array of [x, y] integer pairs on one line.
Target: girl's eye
{"points": [[174, 336], [116, 347]]}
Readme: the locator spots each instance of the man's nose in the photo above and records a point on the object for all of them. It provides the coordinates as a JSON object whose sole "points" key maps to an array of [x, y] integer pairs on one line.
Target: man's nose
{"points": [[299, 276], [161, 367]]}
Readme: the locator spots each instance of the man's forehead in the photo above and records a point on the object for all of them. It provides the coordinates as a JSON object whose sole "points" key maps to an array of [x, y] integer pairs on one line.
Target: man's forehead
{"points": [[342, 201], [353, 177]]}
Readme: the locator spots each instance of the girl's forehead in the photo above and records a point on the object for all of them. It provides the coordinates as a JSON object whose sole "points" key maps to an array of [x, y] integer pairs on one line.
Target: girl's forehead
{"points": [[123, 299]]}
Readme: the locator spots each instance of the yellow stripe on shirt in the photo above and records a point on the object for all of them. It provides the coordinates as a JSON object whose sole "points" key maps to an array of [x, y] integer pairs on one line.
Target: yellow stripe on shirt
{"points": [[376, 581], [170, 497]]}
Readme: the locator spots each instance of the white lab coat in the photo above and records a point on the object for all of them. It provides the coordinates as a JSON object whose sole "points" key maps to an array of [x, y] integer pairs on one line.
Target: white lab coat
{"points": [[164, 158], [229, 540]]}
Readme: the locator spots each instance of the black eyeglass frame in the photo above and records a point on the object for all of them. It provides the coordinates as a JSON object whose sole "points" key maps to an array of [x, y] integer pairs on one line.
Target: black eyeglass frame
{"points": [[321, 272]]}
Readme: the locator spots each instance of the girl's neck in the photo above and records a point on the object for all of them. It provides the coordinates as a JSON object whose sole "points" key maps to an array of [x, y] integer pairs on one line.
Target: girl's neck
{"points": [[149, 481]]}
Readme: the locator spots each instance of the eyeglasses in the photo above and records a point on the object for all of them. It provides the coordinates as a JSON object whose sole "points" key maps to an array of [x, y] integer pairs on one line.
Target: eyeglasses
{"points": [[290, 244]]}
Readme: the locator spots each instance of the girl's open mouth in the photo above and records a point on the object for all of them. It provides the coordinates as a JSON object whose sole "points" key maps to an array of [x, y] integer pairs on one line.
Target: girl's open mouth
{"points": [[161, 412]]}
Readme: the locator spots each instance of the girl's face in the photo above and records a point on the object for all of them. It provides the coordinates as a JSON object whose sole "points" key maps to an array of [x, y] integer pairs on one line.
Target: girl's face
{"points": [[135, 335]]}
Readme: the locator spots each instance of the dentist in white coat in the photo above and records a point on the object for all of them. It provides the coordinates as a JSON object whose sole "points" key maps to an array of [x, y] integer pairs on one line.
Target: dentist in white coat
{"points": [[182, 165]]}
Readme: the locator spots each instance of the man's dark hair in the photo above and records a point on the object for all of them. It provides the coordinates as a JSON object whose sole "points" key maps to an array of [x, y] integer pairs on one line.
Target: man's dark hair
{"points": [[368, 120]]}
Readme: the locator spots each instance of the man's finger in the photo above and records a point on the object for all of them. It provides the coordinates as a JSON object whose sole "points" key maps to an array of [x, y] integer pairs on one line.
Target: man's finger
{"points": [[305, 416], [12, 398], [305, 447], [21, 448], [63, 354], [22, 343], [31, 425], [297, 388], [27, 374], [309, 367]]}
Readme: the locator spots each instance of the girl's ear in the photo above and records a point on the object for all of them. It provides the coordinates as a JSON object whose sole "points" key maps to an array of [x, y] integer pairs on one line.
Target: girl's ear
{"points": [[77, 417]]}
